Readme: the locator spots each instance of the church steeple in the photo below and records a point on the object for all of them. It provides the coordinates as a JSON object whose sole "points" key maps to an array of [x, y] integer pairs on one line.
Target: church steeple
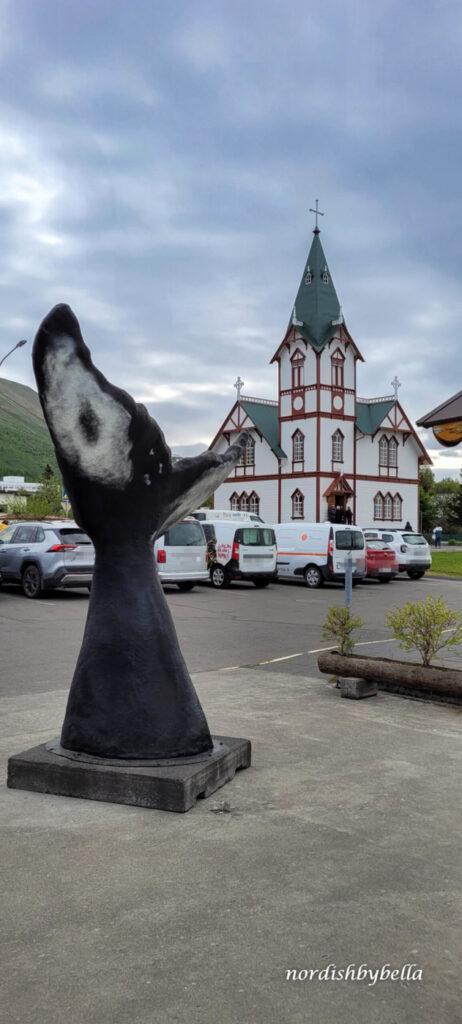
{"points": [[317, 311]]}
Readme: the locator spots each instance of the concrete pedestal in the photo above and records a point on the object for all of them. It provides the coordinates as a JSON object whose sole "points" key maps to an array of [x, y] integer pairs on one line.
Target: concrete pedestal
{"points": [[357, 688], [166, 785]]}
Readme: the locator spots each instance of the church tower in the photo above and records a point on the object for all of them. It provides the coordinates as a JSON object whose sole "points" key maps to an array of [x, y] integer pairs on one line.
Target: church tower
{"points": [[317, 399]]}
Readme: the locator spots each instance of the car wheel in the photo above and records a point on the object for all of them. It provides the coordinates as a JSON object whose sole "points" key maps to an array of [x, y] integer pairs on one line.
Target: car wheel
{"points": [[260, 584], [313, 576], [31, 581], [185, 586], [384, 579], [415, 575], [219, 577]]}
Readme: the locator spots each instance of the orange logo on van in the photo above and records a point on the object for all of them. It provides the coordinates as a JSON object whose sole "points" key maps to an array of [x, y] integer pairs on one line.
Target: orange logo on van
{"points": [[304, 536]]}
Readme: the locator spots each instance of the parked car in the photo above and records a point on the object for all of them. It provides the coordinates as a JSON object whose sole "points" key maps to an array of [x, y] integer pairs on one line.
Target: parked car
{"points": [[181, 555], [412, 551], [243, 552], [381, 561], [45, 556], [315, 552]]}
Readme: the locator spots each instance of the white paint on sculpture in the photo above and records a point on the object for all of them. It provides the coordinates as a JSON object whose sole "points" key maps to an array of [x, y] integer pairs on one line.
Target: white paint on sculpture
{"points": [[93, 427]]}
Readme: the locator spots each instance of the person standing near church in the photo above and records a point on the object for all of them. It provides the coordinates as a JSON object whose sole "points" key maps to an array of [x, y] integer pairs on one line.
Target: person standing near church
{"points": [[348, 516], [437, 535]]}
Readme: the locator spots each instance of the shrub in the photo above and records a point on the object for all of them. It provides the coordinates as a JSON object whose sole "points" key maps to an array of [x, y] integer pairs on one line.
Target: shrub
{"points": [[427, 626], [339, 626]]}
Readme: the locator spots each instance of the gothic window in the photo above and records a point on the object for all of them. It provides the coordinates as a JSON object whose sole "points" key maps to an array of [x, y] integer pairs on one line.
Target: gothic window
{"points": [[298, 505], [254, 503], [378, 506], [397, 507], [325, 276], [250, 452], [298, 447], [393, 453], [337, 446], [244, 502], [308, 276], [387, 507], [298, 362], [383, 452], [234, 502], [337, 362]]}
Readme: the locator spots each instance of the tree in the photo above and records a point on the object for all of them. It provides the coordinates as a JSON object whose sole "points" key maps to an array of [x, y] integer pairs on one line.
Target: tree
{"points": [[45, 502], [427, 626], [339, 626], [427, 480], [428, 511]]}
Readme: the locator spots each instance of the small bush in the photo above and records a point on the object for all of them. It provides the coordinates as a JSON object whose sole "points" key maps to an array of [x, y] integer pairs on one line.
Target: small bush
{"points": [[426, 626], [453, 542], [339, 626]]}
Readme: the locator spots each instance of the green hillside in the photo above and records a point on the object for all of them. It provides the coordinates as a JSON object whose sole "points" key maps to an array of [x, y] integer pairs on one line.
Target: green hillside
{"points": [[25, 444]]}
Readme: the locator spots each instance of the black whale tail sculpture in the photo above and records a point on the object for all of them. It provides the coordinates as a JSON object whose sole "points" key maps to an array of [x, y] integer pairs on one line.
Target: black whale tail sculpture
{"points": [[131, 694]]}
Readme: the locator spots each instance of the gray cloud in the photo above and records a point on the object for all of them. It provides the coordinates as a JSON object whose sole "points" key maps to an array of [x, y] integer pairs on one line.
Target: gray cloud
{"points": [[157, 167]]}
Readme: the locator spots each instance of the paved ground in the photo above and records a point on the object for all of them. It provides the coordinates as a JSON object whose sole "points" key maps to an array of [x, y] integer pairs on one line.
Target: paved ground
{"points": [[339, 846], [217, 629]]}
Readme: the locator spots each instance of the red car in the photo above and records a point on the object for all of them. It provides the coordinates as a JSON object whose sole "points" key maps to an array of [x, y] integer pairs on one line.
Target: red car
{"points": [[381, 561]]}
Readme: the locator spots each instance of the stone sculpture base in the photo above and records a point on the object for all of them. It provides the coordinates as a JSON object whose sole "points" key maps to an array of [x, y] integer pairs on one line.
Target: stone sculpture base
{"points": [[173, 785]]}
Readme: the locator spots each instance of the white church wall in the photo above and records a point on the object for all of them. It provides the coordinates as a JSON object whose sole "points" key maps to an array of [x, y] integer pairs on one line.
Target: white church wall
{"points": [[265, 489], [365, 493], [307, 487], [328, 428], [308, 428]]}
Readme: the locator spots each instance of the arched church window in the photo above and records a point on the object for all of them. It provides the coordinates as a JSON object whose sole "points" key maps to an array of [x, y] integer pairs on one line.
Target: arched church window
{"points": [[298, 364], [325, 276], [387, 507], [234, 502], [383, 452], [337, 446], [397, 507], [254, 503], [250, 451], [337, 360], [298, 505], [393, 453], [308, 276], [378, 506], [244, 502], [298, 447]]}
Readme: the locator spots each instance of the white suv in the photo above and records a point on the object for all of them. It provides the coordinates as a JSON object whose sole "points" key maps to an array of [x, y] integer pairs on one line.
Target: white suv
{"points": [[412, 551]]}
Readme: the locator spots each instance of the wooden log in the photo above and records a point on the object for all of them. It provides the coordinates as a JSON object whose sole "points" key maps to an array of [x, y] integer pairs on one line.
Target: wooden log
{"points": [[430, 678]]}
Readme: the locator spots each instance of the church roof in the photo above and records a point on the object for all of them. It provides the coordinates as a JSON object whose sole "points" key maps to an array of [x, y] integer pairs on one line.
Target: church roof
{"points": [[369, 415], [266, 419], [316, 304]]}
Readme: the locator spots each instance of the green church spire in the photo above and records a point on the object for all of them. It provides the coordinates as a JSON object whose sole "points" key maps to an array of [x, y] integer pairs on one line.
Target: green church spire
{"points": [[317, 311]]}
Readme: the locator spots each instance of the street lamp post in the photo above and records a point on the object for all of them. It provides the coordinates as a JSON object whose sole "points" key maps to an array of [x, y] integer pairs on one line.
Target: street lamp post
{"points": [[18, 345]]}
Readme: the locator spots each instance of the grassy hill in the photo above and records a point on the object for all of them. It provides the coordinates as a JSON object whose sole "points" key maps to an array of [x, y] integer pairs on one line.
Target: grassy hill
{"points": [[25, 444]]}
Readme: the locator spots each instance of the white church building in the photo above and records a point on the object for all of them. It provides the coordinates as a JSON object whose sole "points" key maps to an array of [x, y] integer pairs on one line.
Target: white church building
{"points": [[319, 445]]}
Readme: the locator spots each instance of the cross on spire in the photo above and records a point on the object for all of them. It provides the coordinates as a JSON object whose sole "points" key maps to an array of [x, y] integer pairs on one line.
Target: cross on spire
{"points": [[395, 385], [239, 385], [317, 214]]}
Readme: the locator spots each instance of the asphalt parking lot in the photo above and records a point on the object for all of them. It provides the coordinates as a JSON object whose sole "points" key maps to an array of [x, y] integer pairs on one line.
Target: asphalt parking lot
{"points": [[274, 629]]}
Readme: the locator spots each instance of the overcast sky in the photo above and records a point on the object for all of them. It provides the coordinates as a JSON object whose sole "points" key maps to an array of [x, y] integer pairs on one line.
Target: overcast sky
{"points": [[158, 161]]}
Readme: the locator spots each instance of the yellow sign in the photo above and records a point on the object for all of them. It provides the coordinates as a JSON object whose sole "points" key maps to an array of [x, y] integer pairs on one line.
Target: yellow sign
{"points": [[449, 434]]}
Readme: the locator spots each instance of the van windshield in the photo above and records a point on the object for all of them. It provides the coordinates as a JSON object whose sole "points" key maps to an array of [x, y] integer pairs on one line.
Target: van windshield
{"points": [[253, 535], [346, 540], [185, 535]]}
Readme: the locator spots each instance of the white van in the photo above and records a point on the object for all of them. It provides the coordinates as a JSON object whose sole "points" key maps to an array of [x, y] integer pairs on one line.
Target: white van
{"points": [[225, 513], [315, 552], [245, 551], [181, 555]]}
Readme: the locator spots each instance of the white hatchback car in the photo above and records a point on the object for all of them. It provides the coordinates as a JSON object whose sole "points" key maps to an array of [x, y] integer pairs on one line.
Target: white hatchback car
{"points": [[412, 551]]}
